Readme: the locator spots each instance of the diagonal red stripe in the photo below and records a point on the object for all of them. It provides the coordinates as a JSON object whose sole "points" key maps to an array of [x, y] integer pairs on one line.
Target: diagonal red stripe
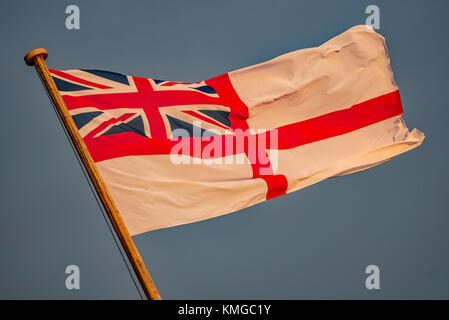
{"points": [[79, 80]]}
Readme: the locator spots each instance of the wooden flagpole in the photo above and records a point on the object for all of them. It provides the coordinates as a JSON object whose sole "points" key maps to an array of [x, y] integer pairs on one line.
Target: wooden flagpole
{"points": [[36, 57]]}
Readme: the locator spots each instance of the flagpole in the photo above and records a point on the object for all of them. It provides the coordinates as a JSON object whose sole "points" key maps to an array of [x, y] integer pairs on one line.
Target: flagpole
{"points": [[36, 57]]}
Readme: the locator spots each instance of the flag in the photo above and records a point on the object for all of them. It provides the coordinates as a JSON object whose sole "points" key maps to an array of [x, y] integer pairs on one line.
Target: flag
{"points": [[172, 153]]}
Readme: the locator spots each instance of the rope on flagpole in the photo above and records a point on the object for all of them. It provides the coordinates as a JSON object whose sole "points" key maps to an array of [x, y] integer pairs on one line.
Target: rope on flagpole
{"points": [[36, 57]]}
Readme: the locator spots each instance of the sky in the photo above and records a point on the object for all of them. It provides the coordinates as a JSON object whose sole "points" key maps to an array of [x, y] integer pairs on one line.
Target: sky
{"points": [[311, 244]]}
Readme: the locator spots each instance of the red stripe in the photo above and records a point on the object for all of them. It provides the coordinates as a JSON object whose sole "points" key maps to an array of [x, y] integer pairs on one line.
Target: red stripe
{"points": [[239, 110], [79, 80], [289, 136], [277, 185], [106, 101], [145, 99], [172, 83], [340, 122]]}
